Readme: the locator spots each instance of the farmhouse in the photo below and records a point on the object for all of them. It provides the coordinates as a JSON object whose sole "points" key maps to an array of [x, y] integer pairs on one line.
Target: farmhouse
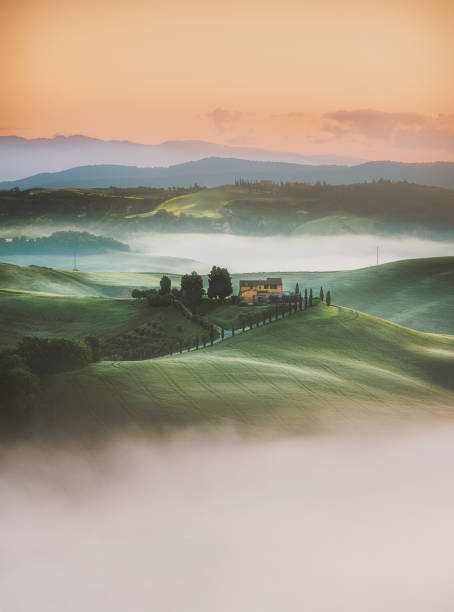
{"points": [[260, 290]]}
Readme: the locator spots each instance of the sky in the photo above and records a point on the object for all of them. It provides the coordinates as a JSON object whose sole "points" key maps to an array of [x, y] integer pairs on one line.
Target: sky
{"points": [[370, 79]]}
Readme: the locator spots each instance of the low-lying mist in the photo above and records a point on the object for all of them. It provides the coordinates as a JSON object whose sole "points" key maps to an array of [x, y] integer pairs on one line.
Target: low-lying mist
{"points": [[349, 523], [182, 253], [309, 252]]}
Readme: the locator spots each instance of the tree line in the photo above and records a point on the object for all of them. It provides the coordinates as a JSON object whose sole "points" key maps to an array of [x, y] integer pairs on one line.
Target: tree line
{"points": [[192, 292]]}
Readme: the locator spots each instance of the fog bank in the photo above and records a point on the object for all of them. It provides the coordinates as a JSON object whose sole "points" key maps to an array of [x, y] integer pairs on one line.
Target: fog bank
{"points": [[182, 253], [347, 523]]}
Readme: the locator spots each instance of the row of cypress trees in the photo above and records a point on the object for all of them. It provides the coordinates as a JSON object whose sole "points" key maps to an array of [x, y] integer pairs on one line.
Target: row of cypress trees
{"points": [[311, 296], [298, 303]]}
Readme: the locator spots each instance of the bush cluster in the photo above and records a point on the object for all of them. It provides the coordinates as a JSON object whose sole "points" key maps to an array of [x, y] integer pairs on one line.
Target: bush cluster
{"points": [[21, 368]]}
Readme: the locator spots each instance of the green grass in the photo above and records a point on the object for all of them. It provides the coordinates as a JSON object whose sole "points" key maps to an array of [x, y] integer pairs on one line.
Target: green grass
{"points": [[75, 283], [417, 293], [53, 316], [226, 314], [382, 207], [204, 203], [288, 375]]}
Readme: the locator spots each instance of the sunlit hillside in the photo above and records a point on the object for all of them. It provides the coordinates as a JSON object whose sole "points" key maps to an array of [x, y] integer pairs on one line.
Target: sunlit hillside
{"points": [[416, 293], [290, 375]]}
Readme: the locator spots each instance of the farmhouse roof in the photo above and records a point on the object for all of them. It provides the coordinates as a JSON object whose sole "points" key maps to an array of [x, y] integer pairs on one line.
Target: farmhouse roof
{"points": [[249, 283]]}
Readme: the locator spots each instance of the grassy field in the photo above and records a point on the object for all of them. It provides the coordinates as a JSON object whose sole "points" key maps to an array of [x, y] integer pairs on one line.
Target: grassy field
{"points": [[227, 315], [25, 313], [382, 207], [289, 374], [204, 203], [75, 283], [417, 293]]}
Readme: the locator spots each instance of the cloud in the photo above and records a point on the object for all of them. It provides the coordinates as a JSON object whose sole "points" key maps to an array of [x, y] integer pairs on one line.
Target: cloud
{"points": [[223, 119], [294, 115], [408, 130]]}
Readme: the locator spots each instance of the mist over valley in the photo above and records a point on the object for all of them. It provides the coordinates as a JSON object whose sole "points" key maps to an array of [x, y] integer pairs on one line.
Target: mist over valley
{"points": [[349, 521]]}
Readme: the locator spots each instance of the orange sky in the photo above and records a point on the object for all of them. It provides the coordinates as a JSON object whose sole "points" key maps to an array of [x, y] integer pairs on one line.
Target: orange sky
{"points": [[272, 74]]}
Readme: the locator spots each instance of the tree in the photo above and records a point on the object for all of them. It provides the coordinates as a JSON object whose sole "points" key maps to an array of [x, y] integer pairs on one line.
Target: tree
{"points": [[328, 298], [192, 289], [297, 289], [219, 283], [165, 285], [310, 297], [322, 294], [305, 299], [47, 356]]}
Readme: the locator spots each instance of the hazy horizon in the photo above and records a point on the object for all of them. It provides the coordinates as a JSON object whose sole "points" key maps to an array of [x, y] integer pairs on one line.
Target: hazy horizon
{"points": [[316, 78]]}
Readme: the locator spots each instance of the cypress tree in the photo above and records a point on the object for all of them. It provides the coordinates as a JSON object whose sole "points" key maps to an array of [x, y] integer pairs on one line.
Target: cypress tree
{"points": [[305, 299], [328, 298], [297, 289], [310, 298], [322, 294], [222, 332]]}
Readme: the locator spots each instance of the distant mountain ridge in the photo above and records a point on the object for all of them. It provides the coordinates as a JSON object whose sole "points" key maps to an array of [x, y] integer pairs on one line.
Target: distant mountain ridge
{"points": [[21, 157], [214, 171]]}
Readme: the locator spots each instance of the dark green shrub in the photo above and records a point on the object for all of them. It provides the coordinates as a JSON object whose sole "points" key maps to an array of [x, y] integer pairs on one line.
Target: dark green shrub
{"points": [[45, 356], [159, 300]]}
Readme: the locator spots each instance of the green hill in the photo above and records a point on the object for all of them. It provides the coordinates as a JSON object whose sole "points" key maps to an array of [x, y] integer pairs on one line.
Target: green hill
{"points": [[383, 207], [417, 293], [122, 325], [75, 283], [204, 203], [247, 209], [292, 374]]}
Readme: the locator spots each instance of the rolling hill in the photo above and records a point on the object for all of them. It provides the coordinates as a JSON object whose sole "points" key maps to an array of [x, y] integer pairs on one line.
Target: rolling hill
{"points": [[215, 171], [75, 283], [382, 207], [417, 293], [125, 328], [292, 375]]}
